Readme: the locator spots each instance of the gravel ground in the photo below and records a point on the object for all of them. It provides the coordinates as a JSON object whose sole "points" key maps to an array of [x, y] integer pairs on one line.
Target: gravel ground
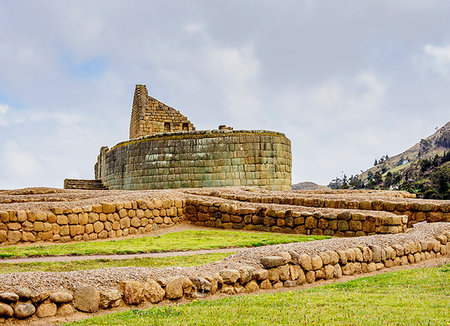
{"points": [[110, 277]]}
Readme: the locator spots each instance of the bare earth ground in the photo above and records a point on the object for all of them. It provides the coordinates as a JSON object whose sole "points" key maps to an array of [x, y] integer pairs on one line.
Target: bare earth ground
{"points": [[79, 316]]}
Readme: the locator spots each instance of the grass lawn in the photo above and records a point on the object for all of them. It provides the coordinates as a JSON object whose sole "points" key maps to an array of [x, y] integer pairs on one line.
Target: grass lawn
{"points": [[179, 261], [184, 240], [413, 297]]}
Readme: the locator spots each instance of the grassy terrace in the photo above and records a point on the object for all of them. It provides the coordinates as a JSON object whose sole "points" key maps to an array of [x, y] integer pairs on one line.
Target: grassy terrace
{"points": [[177, 241], [413, 297], [180, 261]]}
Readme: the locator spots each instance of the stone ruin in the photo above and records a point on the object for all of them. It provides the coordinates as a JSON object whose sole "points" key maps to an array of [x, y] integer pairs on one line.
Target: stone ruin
{"points": [[165, 151]]}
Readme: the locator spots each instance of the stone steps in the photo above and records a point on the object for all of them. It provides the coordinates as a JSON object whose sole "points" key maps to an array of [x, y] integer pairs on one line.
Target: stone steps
{"points": [[84, 184]]}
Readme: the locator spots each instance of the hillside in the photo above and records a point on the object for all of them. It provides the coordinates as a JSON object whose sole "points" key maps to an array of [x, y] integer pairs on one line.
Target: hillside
{"points": [[423, 169], [428, 148], [307, 185]]}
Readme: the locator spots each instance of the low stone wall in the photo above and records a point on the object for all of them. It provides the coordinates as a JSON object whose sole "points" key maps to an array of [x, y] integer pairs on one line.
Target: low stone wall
{"points": [[417, 210], [101, 221], [286, 269], [290, 219]]}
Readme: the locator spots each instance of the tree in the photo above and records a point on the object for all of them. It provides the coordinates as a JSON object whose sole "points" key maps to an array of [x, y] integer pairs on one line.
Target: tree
{"points": [[375, 163], [388, 180], [377, 178]]}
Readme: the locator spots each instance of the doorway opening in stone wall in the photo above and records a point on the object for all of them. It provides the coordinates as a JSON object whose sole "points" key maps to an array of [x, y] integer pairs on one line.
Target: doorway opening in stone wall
{"points": [[166, 126]]}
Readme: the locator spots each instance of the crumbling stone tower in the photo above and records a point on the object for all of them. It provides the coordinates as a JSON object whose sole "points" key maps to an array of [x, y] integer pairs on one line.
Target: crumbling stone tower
{"points": [[149, 116]]}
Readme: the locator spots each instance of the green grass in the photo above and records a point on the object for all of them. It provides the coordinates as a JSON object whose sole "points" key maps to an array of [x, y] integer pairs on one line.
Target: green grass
{"points": [[179, 261], [413, 297], [177, 241], [397, 168]]}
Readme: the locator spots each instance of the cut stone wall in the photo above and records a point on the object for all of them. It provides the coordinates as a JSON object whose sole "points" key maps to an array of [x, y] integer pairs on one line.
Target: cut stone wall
{"points": [[101, 221], [417, 210], [149, 116], [292, 219], [215, 158]]}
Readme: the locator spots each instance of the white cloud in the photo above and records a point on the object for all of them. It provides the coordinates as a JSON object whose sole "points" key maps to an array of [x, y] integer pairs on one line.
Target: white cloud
{"points": [[235, 72], [4, 108], [440, 58], [18, 163], [194, 28]]}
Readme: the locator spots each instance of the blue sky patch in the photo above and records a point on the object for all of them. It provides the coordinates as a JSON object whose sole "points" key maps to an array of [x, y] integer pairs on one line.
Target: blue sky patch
{"points": [[87, 69]]}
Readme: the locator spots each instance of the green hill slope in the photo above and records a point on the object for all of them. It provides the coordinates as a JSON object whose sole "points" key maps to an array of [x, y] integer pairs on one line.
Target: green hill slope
{"points": [[423, 169]]}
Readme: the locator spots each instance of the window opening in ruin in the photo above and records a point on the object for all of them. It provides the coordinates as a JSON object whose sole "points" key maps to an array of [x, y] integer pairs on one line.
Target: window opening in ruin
{"points": [[166, 126], [185, 127]]}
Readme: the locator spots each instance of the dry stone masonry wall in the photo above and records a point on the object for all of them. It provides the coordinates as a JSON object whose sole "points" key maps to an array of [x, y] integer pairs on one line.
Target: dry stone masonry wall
{"points": [[198, 159], [416, 210], [286, 269], [91, 222], [292, 219], [234, 208]]}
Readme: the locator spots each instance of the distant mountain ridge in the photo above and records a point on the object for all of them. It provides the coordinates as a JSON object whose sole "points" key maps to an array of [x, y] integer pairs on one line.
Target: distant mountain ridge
{"points": [[436, 144], [423, 169], [307, 185]]}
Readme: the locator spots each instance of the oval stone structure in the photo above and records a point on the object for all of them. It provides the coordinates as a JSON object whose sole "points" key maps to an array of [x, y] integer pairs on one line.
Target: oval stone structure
{"points": [[216, 158]]}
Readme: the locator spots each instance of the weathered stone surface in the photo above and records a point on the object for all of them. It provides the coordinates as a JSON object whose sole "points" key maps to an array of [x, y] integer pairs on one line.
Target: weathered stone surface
{"points": [[251, 286], [279, 273], [305, 262], [287, 256], [376, 251], [230, 276], [310, 276], [294, 271], [24, 310], [228, 289], [349, 269], [290, 283], [154, 292], [174, 288], [246, 274], [110, 298], [39, 297], [316, 262], [337, 271], [329, 272], [133, 292], [202, 284], [265, 285], [23, 293], [277, 285], [8, 297], [6, 310], [61, 297], [65, 309], [46, 310], [261, 274], [188, 286], [272, 261], [87, 299]]}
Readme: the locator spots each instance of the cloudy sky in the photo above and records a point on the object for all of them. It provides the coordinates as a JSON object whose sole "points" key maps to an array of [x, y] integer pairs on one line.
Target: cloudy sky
{"points": [[346, 81]]}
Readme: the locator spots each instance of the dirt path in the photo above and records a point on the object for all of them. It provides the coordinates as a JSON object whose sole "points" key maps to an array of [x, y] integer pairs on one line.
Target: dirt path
{"points": [[79, 316]]}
